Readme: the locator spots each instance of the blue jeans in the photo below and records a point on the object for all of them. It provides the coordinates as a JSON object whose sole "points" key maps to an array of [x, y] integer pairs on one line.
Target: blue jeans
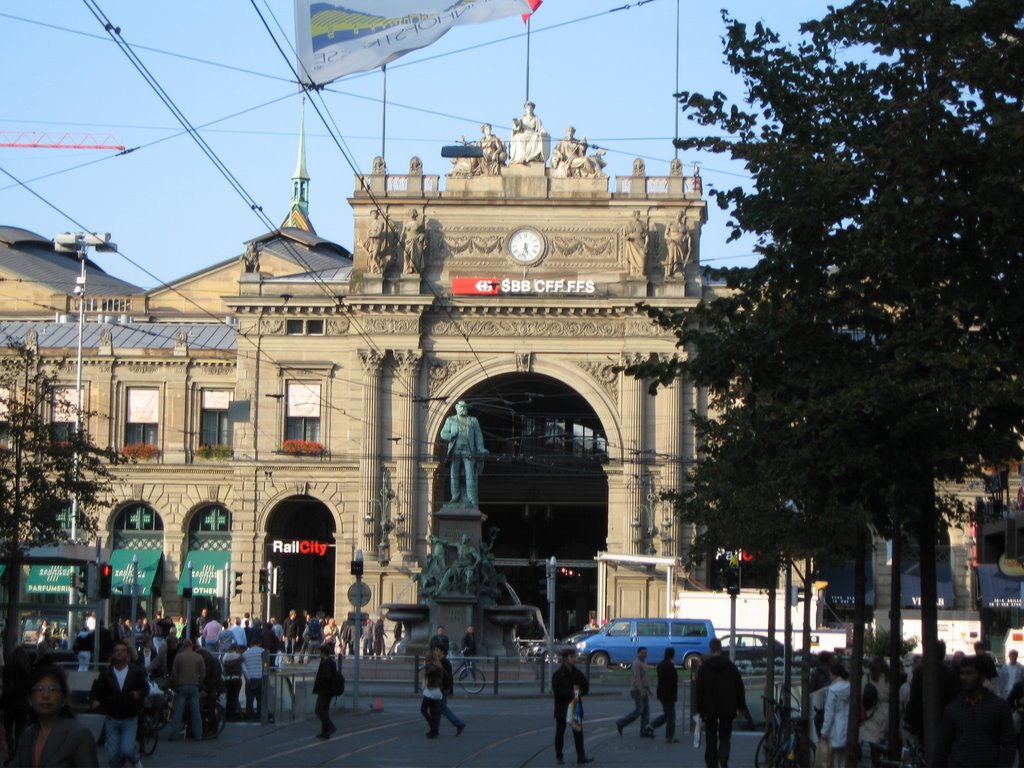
{"points": [[253, 693], [121, 740], [642, 710], [186, 695], [447, 712], [666, 718]]}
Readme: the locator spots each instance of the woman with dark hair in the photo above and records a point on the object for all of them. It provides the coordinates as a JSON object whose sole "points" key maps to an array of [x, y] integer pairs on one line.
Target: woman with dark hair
{"points": [[55, 738]]}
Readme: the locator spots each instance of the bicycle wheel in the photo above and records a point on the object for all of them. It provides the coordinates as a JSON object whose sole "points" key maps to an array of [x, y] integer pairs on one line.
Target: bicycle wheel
{"points": [[764, 752], [148, 733], [471, 679], [214, 721]]}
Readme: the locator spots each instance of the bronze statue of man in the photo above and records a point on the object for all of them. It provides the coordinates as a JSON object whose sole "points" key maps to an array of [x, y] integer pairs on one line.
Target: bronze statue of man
{"points": [[465, 453]]}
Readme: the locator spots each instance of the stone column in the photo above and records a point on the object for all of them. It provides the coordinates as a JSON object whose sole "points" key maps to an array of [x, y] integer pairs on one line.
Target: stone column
{"points": [[634, 392], [407, 369], [369, 462], [671, 416]]}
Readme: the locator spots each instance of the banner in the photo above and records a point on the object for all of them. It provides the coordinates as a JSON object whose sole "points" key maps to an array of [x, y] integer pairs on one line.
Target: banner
{"points": [[358, 35]]}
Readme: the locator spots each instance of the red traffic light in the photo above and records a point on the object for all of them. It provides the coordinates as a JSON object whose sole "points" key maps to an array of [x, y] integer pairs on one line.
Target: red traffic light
{"points": [[106, 579]]}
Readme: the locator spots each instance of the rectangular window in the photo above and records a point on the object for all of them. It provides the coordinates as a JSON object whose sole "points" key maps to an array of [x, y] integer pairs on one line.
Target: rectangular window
{"points": [[294, 327], [302, 421], [143, 422], [214, 428], [64, 402]]}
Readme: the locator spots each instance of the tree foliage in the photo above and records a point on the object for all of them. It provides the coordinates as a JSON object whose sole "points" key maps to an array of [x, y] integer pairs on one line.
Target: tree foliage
{"points": [[874, 349], [41, 470]]}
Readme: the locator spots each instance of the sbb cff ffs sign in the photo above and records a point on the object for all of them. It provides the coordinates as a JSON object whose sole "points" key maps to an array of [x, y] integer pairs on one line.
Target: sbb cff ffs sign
{"points": [[476, 286], [299, 547]]}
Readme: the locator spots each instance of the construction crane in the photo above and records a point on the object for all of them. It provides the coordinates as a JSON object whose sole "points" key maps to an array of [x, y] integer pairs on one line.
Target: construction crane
{"points": [[67, 140]]}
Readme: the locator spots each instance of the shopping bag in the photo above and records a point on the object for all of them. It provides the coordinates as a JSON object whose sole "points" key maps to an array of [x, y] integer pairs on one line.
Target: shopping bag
{"points": [[574, 714], [696, 731], [823, 757]]}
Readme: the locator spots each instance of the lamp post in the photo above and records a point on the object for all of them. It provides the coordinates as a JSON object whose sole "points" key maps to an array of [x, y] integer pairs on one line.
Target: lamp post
{"points": [[188, 600], [644, 530], [78, 243], [387, 525], [552, 566], [357, 571]]}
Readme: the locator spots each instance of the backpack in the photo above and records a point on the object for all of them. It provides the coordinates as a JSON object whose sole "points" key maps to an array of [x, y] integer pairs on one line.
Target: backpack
{"points": [[337, 683], [314, 630]]}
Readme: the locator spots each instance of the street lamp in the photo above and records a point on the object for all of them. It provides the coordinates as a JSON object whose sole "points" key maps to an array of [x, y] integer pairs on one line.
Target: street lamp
{"points": [[357, 571], [78, 243], [383, 514]]}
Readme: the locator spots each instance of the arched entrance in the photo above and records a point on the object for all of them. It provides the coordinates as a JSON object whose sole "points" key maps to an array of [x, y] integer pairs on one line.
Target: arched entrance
{"points": [[209, 552], [138, 548], [544, 487], [301, 542]]}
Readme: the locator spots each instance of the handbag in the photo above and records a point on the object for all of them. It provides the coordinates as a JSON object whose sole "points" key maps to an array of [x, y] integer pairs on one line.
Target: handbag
{"points": [[823, 758], [574, 713]]}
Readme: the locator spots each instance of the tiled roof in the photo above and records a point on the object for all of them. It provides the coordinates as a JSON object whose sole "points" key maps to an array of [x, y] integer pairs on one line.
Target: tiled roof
{"points": [[217, 336]]}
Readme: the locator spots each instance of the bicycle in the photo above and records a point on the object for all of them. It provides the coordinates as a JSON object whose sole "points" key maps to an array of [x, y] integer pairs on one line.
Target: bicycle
{"points": [[469, 678], [784, 738], [212, 714]]}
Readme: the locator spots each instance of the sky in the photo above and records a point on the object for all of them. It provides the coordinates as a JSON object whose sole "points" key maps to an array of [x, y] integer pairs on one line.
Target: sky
{"points": [[607, 67]]}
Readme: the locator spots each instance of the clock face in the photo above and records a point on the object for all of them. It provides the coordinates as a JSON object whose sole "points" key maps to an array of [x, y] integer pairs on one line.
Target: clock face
{"points": [[526, 246]]}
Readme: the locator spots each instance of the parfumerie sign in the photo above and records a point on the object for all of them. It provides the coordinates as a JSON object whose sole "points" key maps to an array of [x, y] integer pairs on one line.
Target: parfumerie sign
{"points": [[299, 547]]}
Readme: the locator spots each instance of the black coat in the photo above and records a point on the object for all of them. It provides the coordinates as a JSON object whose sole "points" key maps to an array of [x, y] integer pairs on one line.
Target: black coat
{"points": [[563, 681], [720, 691], [70, 744], [117, 702], [668, 681]]}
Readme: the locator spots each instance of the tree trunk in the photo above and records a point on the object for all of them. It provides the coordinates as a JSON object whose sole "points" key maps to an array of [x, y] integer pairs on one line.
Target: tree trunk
{"points": [[805, 665], [859, 583], [769, 675], [931, 707]]}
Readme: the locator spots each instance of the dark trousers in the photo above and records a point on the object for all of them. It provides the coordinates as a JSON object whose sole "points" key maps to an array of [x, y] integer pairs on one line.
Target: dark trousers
{"points": [[666, 718], [234, 688], [719, 733], [431, 711], [577, 737], [253, 694], [323, 711]]}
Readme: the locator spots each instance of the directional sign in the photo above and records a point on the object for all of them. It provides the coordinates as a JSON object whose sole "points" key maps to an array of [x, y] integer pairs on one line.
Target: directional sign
{"points": [[359, 594]]}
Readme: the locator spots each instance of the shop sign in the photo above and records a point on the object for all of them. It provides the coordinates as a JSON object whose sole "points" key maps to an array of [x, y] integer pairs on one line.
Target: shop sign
{"points": [[299, 547]]}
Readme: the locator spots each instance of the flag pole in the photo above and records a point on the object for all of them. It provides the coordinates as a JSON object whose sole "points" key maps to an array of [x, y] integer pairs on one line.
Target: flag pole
{"points": [[528, 19], [674, 100], [384, 114]]}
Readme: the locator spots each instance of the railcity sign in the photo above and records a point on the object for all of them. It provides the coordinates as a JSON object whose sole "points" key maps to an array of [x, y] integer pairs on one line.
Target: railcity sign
{"points": [[299, 547]]}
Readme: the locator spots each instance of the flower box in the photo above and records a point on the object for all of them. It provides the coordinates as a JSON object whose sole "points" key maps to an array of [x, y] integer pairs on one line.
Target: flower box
{"points": [[302, 448], [215, 452], [140, 451]]}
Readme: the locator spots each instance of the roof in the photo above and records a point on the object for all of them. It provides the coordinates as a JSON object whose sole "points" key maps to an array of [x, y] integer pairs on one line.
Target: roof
{"points": [[33, 258], [216, 336]]}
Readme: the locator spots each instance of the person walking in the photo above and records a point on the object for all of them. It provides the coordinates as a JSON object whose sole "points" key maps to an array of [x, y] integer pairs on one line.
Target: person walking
{"points": [[379, 636], [568, 684], [396, 638], [252, 670], [837, 716], [439, 638], [720, 695], [977, 727], [119, 691], [640, 690], [874, 699], [430, 706], [187, 675], [293, 627], [667, 693], [448, 689], [328, 684], [1011, 674]]}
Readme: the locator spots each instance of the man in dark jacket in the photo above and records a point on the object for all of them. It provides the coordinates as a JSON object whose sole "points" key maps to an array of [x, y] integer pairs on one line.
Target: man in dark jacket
{"points": [[119, 691], [565, 684], [977, 727], [326, 687], [293, 627], [720, 694], [667, 693]]}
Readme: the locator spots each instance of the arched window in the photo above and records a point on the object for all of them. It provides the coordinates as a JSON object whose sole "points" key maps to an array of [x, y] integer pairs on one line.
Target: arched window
{"points": [[210, 529], [138, 526]]}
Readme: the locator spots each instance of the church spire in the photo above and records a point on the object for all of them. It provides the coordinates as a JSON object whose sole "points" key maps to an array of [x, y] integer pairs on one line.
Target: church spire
{"points": [[299, 215]]}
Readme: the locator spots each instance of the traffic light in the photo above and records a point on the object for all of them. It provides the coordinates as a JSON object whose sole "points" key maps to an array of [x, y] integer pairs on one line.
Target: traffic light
{"points": [[276, 581], [238, 583], [264, 581], [106, 580], [80, 579], [732, 581]]}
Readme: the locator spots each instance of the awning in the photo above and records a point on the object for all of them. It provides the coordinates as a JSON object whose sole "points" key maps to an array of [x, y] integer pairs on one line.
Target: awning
{"points": [[910, 585], [839, 591], [205, 566], [48, 580], [997, 589], [121, 560]]}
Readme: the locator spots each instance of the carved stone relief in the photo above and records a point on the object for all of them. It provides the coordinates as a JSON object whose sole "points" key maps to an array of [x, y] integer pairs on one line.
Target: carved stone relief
{"points": [[604, 374], [338, 326], [391, 325], [442, 370], [272, 325], [528, 328], [524, 362]]}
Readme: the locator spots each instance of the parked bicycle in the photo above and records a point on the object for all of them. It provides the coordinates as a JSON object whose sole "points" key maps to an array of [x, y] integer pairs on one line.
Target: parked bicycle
{"points": [[785, 737]]}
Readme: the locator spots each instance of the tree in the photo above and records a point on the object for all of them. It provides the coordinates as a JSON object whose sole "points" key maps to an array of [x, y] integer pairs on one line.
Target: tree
{"points": [[886, 150], [41, 471]]}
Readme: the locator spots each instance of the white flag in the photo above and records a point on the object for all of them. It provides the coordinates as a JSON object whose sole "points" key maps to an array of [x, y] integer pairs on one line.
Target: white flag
{"points": [[359, 35]]}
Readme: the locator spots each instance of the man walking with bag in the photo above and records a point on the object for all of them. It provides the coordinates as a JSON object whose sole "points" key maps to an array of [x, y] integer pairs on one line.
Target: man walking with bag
{"points": [[720, 694], [568, 685]]}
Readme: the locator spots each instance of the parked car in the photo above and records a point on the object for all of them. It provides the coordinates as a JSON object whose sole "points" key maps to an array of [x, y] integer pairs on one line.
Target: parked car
{"points": [[752, 647], [538, 648], [617, 641]]}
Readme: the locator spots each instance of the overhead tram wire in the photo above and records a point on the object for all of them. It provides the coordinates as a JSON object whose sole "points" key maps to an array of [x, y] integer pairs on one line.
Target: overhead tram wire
{"points": [[115, 34], [310, 87]]}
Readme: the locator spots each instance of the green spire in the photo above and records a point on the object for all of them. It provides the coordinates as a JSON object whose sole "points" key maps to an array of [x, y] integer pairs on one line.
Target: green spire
{"points": [[300, 179]]}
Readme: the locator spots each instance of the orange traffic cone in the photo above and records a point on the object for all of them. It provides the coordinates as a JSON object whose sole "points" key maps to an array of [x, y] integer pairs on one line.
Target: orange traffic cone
{"points": [[378, 704]]}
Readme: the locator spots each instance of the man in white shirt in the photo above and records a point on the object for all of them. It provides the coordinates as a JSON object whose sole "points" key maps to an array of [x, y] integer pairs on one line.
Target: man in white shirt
{"points": [[1010, 674]]}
